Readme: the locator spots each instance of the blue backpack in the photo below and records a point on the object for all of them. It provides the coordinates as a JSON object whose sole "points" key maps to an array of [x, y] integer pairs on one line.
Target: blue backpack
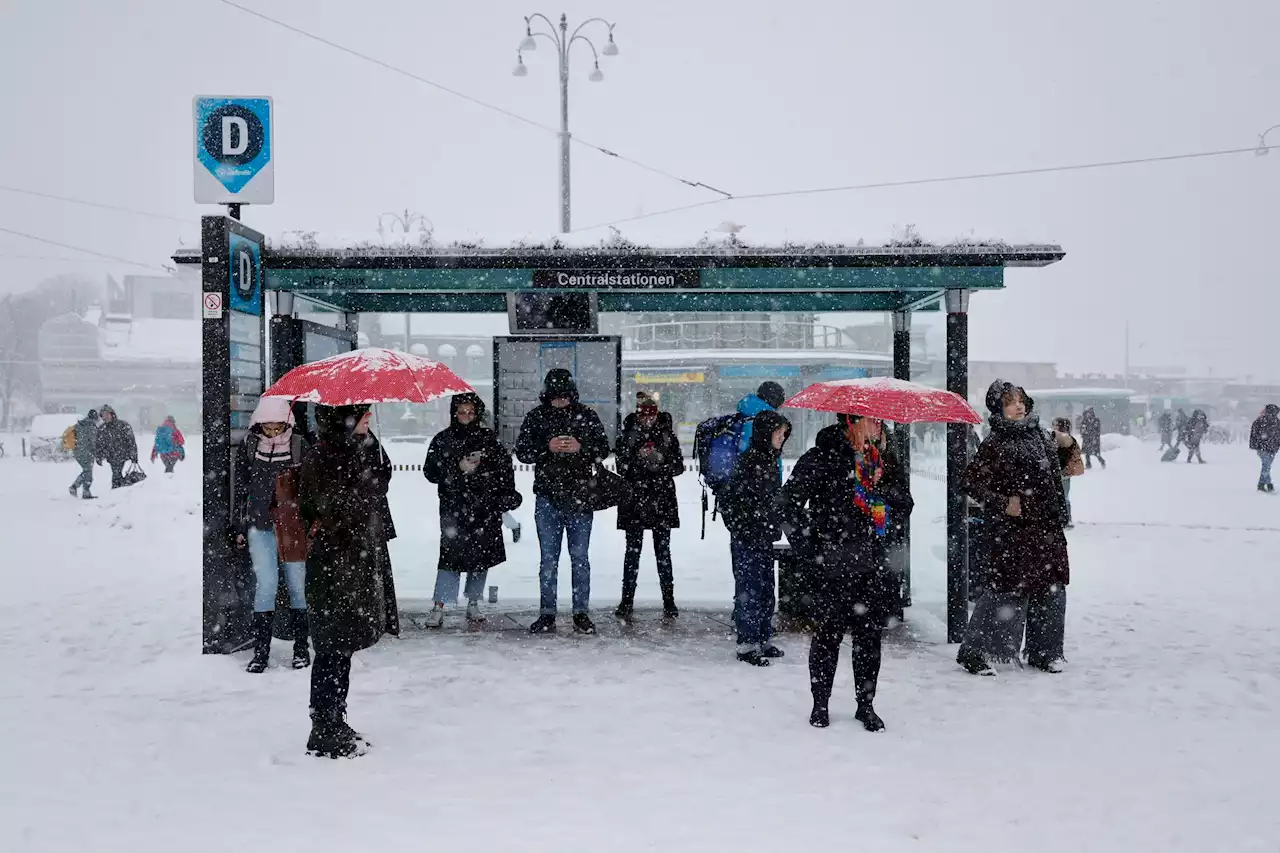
{"points": [[715, 448]]}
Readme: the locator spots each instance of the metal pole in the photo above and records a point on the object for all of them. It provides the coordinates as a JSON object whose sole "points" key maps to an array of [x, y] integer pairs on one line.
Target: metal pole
{"points": [[564, 125], [957, 302], [902, 370]]}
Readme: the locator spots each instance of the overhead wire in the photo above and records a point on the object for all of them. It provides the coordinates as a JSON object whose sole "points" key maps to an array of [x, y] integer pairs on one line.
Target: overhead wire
{"points": [[74, 248], [101, 205], [469, 98]]}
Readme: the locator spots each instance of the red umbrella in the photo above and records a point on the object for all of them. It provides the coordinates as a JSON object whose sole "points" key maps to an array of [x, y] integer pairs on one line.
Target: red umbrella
{"points": [[368, 375], [888, 399]]}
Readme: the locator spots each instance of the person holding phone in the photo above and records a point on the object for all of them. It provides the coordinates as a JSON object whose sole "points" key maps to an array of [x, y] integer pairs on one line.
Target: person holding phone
{"points": [[477, 486], [564, 441]]}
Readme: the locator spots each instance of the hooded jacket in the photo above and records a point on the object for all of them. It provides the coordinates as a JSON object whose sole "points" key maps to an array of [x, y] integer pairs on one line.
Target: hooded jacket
{"points": [[86, 432], [562, 478], [751, 502], [116, 444], [650, 502], [169, 440], [471, 505], [1027, 552], [1264, 435]]}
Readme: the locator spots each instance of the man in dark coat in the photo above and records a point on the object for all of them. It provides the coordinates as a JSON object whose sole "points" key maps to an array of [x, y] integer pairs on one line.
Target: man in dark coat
{"points": [[1264, 437], [842, 503], [752, 512], [1016, 477], [477, 485], [1197, 429], [342, 499], [85, 452], [1165, 423], [1180, 427], [564, 441], [1091, 437], [649, 459], [116, 444]]}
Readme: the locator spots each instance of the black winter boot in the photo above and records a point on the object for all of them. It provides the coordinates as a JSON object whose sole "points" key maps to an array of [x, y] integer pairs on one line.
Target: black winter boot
{"points": [[819, 718], [261, 633], [868, 717], [582, 624], [301, 653], [543, 625], [333, 738]]}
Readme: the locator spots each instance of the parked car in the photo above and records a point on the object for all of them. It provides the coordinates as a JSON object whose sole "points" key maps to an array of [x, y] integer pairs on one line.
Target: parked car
{"points": [[46, 437]]}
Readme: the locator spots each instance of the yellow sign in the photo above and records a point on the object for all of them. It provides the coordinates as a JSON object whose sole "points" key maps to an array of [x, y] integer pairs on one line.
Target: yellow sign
{"points": [[688, 378]]}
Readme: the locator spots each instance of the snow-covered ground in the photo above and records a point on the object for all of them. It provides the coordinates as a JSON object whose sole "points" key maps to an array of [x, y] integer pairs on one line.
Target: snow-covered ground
{"points": [[1163, 734]]}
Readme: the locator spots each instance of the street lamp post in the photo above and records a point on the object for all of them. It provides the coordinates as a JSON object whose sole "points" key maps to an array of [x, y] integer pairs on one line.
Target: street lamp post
{"points": [[563, 41]]}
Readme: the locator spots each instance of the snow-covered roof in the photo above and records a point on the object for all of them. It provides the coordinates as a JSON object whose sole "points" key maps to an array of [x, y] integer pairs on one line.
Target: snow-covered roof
{"points": [[149, 339], [1049, 393], [721, 356]]}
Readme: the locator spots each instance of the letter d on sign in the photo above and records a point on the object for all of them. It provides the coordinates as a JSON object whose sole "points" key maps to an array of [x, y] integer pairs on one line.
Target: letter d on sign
{"points": [[230, 123], [246, 272]]}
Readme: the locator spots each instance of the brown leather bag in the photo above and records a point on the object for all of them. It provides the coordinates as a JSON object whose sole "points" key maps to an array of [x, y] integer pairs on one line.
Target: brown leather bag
{"points": [[1075, 462], [291, 535]]}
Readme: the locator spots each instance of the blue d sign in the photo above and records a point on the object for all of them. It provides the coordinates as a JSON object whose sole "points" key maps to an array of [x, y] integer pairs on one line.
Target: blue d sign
{"points": [[233, 156], [246, 274]]}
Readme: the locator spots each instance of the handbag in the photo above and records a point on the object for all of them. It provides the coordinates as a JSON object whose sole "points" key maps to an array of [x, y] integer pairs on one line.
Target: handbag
{"points": [[133, 473], [1075, 463], [605, 489]]}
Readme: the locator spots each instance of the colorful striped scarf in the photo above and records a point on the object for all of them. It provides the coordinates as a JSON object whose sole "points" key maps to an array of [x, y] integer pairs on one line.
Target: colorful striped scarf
{"points": [[863, 485]]}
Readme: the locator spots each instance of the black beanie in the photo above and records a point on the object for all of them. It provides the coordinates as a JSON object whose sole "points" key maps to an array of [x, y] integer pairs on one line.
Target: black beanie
{"points": [[772, 393]]}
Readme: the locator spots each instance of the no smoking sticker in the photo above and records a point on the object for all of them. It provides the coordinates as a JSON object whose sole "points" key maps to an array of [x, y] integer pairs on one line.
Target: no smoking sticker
{"points": [[212, 306]]}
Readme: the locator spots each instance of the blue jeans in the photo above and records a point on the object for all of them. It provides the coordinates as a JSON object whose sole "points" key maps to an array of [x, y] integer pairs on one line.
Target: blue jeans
{"points": [[266, 568], [1066, 493], [753, 591], [553, 526], [1264, 478], [447, 586]]}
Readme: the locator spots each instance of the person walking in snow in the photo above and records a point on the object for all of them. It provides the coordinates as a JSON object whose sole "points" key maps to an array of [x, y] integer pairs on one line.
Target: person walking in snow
{"points": [[842, 503], [564, 441], [649, 459], [1197, 429], [1165, 423], [116, 444], [752, 510], [342, 498], [1017, 479], [269, 524], [1091, 436], [169, 445], [1070, 461], [477, 485], [1264, 437], [85, 451], [1180, 427]]}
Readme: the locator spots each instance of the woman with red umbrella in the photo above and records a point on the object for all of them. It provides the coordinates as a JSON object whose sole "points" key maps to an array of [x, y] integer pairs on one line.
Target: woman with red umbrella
{"points": [[843, 500]]}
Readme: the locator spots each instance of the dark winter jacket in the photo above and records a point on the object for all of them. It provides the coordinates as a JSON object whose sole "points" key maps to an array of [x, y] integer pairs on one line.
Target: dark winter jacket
{"points": [[341, 498], [86, 449], [1264, 435], [1181, 424], [751, 503], [266, 496], [1165, 423], [1197, 428], [650, 503], [1027, 552], [471, 505], [116, 444], [835, 538], [1090, 432], [562, 478]]}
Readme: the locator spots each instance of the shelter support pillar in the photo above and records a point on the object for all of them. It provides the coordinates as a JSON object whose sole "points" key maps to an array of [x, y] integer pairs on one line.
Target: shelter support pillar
{"points": [[902, 440], [957, 305], [286, 335]]}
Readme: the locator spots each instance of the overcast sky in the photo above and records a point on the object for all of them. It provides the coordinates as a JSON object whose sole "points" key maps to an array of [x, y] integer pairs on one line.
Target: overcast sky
{"points": [[749, 96]]}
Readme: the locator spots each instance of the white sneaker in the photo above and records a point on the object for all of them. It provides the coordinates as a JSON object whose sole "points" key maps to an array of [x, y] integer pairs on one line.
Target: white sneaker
{"points": [[436, 617], [473, 612]]}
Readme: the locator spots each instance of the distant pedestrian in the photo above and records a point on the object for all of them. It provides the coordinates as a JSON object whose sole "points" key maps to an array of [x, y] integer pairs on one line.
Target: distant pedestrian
{"points": [[116, 444], [169, 445], [1165, 422], [85, 451], [752, 511], [649, 460], [1180, 424], [476, 485], [1091, 436], [1070, 461], [1197, 429], [1016, 478], [564, 441], [1264, 437], [843, 502]]}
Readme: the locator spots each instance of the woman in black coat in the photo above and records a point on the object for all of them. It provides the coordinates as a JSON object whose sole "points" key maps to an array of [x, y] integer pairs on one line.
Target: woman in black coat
{"points": [[1016, 477], [477, 485], [343, 500], [845, 499], [649, 459]]}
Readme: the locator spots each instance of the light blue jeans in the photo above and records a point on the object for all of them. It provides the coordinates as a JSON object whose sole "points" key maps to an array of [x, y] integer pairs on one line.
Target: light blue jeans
{"points": [[554, 527], [1264, 476], [447, 586], [266, 563]]}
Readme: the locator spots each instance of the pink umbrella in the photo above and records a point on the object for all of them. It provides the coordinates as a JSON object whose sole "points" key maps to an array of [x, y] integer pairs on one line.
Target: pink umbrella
{"points": [[888, 399], [366, 376]]}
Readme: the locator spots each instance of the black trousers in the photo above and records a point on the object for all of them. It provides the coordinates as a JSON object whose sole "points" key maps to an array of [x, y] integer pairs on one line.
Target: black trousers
{"points": [[824, 656], [117, 473], [631, 566], [169, 462], [1193, 451], [330, 682]]}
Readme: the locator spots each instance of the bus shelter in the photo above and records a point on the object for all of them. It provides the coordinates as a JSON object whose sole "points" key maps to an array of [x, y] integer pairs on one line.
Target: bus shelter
{"points": [[256, 301]]}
